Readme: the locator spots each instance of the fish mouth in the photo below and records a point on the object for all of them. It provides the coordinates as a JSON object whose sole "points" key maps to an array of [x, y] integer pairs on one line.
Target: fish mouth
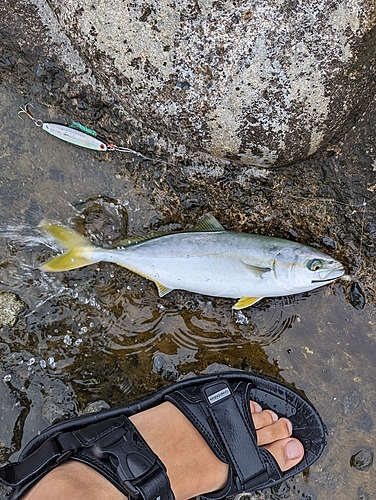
{"points": [[331, 276]]}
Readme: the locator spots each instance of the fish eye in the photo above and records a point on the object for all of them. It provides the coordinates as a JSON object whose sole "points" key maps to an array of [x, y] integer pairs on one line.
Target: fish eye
{"points": [[315, 264]]}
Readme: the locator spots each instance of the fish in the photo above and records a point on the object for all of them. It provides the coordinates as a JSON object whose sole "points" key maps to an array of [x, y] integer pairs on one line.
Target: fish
{"points": [[205, 259]]}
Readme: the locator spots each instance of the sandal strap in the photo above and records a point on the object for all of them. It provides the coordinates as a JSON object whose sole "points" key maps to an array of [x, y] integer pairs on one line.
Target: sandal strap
{"points": [[113, 447], [238, 435], [222, 416]]}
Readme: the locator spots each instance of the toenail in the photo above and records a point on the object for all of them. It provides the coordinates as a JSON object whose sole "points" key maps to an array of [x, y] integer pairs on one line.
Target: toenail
{"points": [[274, 416], [257, 408], [293, 450], [289, 427]]}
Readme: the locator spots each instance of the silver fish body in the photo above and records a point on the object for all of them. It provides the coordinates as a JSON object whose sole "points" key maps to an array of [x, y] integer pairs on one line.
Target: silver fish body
{"points": [[221, 263]]}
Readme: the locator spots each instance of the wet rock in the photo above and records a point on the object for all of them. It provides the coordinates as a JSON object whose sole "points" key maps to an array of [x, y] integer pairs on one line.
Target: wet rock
{"points": [[329, 243], [261, 83], [216, 368], [10, 307], [96, 406], [165, 366], [103, 219], [357, 296], [362, 460]]}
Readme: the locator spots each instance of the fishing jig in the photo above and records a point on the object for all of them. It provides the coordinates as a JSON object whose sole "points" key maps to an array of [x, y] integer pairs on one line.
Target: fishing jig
{"points": [[78, 134]]}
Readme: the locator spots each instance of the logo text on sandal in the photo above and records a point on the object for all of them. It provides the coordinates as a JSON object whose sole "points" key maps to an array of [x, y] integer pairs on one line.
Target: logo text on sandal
{"points": [[217, 396]]}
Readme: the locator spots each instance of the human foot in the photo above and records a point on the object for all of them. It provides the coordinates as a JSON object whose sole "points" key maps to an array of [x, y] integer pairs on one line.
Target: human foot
{"points": [[205, 430], [192, 467]]}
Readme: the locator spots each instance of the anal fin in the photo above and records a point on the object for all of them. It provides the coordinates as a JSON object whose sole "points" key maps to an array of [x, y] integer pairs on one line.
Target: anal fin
{"points": [[245, 302], [162, 290]]}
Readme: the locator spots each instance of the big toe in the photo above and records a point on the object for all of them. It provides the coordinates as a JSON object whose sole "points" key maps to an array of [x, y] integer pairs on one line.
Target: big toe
{"points": [[287, 452]]}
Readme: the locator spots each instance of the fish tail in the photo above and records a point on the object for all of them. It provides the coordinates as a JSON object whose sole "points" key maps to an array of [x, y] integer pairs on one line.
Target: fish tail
{"points": [[79, 250]]}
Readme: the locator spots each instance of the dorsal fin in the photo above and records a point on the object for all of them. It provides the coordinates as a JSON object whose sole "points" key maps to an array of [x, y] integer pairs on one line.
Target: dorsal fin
{"points": [[207, 223], [133, 240]]}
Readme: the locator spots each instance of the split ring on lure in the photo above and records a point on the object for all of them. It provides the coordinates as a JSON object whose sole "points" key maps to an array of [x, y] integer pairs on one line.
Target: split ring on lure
{"points": [[77, 134]]}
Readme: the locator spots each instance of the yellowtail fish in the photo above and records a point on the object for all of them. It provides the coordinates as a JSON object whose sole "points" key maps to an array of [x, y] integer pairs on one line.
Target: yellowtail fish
{"points": [[206, 259]]}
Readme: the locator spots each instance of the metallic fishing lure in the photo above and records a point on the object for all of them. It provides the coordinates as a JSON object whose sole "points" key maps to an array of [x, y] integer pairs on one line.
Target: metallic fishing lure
{"points": [[78, 134]]}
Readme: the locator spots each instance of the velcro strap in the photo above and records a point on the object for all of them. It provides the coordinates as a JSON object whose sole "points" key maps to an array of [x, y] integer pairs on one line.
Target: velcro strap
{"points": [[110, 446], [237, 433], [139, 470], [18, 473]]}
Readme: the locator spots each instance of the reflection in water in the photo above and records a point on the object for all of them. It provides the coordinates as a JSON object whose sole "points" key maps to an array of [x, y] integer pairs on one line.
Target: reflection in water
{"points": [[128, 307], [77, 318]]}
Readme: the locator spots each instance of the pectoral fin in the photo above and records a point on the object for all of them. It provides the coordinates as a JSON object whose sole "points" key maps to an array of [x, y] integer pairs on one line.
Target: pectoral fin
{"points": [[245, 302], [258, 270]]}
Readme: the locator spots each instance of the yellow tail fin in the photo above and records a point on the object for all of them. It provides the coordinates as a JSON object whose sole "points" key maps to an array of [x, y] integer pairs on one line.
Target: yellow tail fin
{"points": [[79, 248]]}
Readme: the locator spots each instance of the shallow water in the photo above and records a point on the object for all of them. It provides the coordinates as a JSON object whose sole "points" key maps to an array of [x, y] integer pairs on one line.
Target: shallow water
{"points": [[102, 333]]}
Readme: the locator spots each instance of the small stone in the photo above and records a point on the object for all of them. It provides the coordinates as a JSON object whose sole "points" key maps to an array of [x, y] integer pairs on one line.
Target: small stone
{"points": [[96, 406], [10, 307], [329, 243], [216, 368], [240, 318], [351, 402], [165, 366], [52, 412], [362, 460], [357, 297]]}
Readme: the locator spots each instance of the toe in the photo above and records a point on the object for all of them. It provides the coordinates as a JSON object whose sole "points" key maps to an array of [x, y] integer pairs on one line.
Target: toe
{"points": [[264, 419], [281, 429], [287, 452]]}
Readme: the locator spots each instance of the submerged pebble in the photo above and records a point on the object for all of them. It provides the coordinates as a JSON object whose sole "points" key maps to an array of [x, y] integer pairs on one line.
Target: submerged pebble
{"points": [[362, 460], [165, 366], [96, 406], [10, 307], [53, 412]]}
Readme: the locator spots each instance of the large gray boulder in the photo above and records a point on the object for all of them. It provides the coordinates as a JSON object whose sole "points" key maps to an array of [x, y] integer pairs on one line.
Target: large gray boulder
{"points": [[261, 83]]}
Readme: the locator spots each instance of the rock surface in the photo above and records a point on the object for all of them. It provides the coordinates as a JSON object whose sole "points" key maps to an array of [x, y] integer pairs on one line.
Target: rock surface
{"points": [[261, 83], [10, 307]]}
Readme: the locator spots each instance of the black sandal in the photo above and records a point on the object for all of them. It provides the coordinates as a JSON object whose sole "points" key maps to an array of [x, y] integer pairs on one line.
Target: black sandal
{"points": [[217, 405]]}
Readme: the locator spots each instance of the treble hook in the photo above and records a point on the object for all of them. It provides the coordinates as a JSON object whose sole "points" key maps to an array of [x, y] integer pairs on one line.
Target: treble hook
{"points": [[26, 110]]}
